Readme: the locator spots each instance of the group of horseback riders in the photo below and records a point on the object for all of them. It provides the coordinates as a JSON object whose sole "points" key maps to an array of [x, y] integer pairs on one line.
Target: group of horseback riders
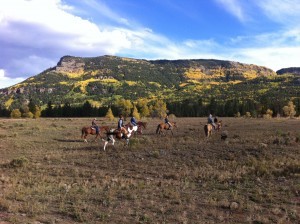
{"points": [[121, 125], [133, 122]]}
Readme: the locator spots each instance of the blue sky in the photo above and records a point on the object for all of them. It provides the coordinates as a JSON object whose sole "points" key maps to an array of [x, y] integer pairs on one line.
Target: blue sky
{"points": [[35, 34]]}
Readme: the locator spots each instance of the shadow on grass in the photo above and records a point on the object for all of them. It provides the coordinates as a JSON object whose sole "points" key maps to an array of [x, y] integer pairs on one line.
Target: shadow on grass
{"points": [[67, 140]]}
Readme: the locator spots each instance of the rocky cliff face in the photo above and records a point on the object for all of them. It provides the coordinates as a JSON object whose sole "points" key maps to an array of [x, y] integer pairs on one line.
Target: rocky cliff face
{"points": [[70, 64]]}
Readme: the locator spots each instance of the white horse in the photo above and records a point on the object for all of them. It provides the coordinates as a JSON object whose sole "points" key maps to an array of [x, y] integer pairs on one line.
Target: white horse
{"points": [[119, 135]]}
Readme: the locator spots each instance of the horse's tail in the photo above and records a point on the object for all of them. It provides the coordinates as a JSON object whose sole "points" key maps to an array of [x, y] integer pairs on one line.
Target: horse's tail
{"points": [[206, 130], [157, 129], [82, 132]]}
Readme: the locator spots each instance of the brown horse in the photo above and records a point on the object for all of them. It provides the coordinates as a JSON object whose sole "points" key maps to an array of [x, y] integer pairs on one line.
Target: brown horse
{"points": [[208, 128], [219, 125], [120, 134], [163, 126], [141, 125], [85, 131]]}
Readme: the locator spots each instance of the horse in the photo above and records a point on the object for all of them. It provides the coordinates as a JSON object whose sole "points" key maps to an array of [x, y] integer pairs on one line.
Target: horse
{"points": [[141, 125], [138, 128], [164, 126], [208, 128], [120, 134], [219, 125], [85, 131]]}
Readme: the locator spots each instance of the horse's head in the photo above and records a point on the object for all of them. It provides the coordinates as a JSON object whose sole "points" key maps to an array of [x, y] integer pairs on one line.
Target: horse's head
{"points": [[143, 124]]}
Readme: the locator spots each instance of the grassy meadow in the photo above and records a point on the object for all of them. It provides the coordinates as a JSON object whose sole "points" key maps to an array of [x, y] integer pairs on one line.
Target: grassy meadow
{"points": [[50, 176]]}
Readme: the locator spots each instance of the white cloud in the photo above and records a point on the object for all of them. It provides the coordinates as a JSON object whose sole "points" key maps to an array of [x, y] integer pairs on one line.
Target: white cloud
{"points": [[6, 81], [234, 7], [282, 11]]}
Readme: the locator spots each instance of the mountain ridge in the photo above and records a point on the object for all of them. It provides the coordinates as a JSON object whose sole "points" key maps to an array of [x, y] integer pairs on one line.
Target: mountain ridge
{"points": [[104, 79]]}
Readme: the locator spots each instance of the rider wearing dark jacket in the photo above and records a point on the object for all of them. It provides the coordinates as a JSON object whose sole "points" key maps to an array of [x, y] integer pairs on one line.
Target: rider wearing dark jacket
{"points": [[95, 125], [121, 124], [167, 121]]}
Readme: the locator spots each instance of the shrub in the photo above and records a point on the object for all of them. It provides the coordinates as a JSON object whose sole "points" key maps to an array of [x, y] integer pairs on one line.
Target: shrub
{"points": [[15, 113]]}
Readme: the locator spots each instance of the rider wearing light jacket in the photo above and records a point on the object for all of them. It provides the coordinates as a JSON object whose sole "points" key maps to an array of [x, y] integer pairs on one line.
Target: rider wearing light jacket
{"points": [[211, 121]]}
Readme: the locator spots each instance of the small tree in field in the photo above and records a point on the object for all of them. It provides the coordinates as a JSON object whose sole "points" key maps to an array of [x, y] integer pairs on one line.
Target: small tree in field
{"points": [[268, 114], [37, 112], [135, 113], [248, 115], [110, 115], [289, 110], [15, 113]]}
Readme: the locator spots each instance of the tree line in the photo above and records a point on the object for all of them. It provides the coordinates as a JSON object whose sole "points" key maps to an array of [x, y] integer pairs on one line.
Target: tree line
{"points": [[159, 108]]}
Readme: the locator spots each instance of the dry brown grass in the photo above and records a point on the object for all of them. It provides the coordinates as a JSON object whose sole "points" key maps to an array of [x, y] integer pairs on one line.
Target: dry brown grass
{"points": [[49, 175]]}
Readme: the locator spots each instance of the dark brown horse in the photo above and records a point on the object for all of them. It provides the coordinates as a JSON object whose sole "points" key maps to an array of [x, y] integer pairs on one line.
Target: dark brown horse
{"points": [[163, 126], [88, 130]]}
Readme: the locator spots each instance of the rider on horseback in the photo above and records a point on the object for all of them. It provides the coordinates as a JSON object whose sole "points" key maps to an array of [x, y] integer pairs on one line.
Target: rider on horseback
{"points": [[95, 125], [211, 121], [121, 126], [167, 121], [133, 121]]}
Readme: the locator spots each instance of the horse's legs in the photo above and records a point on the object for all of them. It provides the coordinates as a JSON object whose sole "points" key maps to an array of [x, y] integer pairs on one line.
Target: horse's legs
{"points": [[85, 140], [105, 143]]}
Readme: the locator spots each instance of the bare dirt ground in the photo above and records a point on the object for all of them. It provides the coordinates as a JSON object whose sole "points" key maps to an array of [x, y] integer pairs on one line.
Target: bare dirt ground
{"points": [[49, 175]]}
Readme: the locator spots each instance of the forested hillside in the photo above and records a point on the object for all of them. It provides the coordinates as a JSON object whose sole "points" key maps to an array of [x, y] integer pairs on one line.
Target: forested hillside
{"points": [[187, 87]]}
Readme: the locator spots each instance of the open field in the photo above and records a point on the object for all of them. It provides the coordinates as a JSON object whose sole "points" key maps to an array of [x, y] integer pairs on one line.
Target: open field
{"points": [[49, 175]]}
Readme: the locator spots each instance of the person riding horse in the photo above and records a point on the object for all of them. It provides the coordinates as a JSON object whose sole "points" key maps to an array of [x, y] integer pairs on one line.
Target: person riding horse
{"points": [[121, 125], [168, 122], [95, 125], [211, 121], [133, 121]]}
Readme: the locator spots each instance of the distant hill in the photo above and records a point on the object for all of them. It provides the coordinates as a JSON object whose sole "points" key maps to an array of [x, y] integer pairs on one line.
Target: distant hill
{"points": [[102, 80], [292, 70]]}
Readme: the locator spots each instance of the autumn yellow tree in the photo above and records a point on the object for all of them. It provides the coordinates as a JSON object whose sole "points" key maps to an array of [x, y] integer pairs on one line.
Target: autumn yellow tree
{"points": [[289, 110], [125, 107], [159, 109], [142, 105], [136, 113], [16, 113], [110, 115]]}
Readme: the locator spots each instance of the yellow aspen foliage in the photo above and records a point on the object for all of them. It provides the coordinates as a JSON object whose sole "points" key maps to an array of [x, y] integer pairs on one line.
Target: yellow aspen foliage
{"points": [[110, 115], [135, 113]]}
